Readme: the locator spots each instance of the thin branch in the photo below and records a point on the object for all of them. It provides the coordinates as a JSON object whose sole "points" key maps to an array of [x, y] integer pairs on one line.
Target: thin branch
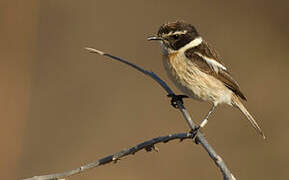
{"points": [[227, 175], [147, 145], [146, 72]]}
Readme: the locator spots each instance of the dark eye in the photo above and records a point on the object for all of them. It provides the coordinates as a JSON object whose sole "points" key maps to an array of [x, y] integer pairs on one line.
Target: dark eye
{"points": [[175, 36]]}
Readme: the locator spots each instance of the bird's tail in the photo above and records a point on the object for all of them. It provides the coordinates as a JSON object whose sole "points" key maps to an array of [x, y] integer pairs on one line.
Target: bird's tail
{"points": [[237, 103]]}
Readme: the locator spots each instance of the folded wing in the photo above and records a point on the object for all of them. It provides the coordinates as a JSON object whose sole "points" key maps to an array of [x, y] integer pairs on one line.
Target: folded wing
{"points": [[209, 62]]}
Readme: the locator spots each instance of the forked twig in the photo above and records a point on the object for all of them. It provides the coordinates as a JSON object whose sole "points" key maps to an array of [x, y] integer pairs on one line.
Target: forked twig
{"points": [[147, 145], [200, 137], [227, 175]]}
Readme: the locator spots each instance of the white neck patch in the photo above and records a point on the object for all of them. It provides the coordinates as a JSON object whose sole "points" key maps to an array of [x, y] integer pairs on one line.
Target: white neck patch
{"points": [[194, 43]]}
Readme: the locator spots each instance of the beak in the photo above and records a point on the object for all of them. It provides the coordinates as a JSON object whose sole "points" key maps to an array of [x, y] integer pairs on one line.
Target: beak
{"points": [[155, 38]]}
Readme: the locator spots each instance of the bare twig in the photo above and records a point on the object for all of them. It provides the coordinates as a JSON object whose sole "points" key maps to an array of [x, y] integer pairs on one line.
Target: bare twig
{"points": [[227, 175], [147, 145]]}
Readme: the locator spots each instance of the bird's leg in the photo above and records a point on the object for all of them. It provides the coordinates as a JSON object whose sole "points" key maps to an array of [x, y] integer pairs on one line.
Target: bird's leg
{"points": [[176, 98], [205, 121]]}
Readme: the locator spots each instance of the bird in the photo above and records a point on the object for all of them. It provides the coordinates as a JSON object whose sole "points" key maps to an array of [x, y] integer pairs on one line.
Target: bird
{"points": [[196, 69]]}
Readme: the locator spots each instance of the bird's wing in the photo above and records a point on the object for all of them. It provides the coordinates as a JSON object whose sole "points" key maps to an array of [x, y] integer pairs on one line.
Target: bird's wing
{"points": [[208, 61]]}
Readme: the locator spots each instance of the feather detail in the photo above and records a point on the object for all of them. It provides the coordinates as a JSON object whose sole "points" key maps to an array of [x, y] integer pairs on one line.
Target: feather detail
{"points": [[212, 62], [208, 61]]}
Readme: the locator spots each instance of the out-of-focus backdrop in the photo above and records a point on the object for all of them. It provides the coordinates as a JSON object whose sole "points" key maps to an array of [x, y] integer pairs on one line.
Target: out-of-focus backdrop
{"points": [[62, 107]]}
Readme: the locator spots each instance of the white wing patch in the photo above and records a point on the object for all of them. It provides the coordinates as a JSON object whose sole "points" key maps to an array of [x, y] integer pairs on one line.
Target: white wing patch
{"points": [[212, 63]]}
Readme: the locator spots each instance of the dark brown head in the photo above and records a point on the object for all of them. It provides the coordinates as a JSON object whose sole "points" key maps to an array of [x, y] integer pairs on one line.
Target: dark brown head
{"points": [[176, 35]]}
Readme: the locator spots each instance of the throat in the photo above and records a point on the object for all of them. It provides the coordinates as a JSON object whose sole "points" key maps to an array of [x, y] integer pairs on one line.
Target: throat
{"points": [[172, 56], [165, 50]]}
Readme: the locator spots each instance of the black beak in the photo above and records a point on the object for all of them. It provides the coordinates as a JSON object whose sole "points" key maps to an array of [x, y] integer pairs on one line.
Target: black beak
{"points": [[155, 38]]}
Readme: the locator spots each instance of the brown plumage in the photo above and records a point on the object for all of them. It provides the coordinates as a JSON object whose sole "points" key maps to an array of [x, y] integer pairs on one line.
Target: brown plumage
{"points": [[222, 75], [196, 68]]}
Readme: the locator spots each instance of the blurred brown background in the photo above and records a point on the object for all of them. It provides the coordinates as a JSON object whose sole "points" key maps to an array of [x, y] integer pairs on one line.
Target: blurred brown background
{"points": [[62, 107]]}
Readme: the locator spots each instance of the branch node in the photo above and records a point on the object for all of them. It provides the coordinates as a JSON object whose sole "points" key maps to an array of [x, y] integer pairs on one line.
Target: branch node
{"points": [[149, 148], [182, 139], [197, 141], [156, 149], [115, 159]]}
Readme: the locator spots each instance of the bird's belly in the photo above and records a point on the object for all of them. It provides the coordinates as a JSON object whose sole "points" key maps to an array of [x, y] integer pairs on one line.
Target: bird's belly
{"points": [[193, 82]]}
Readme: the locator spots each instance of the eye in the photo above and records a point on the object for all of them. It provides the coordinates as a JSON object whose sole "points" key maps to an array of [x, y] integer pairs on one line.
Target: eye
{"points": [[175, 36]]}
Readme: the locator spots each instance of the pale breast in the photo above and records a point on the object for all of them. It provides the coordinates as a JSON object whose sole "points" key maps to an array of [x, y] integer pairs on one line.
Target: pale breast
{"points": [[193, 82]]}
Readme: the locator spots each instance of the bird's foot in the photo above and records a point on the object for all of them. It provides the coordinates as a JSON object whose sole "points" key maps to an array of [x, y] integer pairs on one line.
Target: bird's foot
{"points": [[195, 132], [177, 98]]}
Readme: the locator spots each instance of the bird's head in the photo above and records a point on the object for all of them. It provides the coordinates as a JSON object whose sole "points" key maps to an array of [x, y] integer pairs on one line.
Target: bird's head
{"points": [[176, 35]]}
